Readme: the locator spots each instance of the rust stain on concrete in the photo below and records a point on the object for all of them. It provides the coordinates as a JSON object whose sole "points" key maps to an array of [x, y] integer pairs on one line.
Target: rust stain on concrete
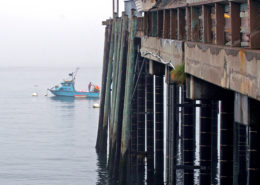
{"points": [[242, 61]]}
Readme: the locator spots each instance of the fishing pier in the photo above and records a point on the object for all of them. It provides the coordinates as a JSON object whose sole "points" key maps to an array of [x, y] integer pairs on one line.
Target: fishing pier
{"points": [[180, 93]]}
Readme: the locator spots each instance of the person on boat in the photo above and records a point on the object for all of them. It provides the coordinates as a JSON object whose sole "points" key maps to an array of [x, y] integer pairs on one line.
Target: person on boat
{"points": [[96, 89], [89, 86]]}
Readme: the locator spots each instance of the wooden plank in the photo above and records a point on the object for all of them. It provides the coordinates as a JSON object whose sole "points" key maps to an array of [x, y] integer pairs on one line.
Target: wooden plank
{"points": [[173, 22], [219, 8], [207, 34], [235, 24]]}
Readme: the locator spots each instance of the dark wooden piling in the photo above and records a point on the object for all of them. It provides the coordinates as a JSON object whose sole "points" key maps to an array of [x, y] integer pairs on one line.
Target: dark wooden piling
{"points": [[101, 144], [140, 89], [214, 141], [226, 140], [205, 141], [149, 90], [173, 129], [188, 129], [128, 98], [240, 153], [119, 98], [112, 129], [159, 136]]}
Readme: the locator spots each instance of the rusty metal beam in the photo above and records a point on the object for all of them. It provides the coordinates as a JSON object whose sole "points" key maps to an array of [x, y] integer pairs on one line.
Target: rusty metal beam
{"points": [[160, 23], [181, 23], [207, 34], [195, 24], [235, 24], [173, 24], [166, 24], [188, 23], [220, 21], [254, 23]]}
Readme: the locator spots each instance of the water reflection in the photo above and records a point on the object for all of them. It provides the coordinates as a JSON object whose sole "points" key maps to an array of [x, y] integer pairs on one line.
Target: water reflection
{"points": [[62, 98], [102, 178]]}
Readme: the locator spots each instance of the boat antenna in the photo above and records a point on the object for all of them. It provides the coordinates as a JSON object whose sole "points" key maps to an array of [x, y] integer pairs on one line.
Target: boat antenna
{"points": [[75, 73]]}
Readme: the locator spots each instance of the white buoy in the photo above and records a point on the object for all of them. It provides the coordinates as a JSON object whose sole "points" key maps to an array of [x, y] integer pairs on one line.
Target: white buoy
{"points": [[96, 105], [35, 94]]}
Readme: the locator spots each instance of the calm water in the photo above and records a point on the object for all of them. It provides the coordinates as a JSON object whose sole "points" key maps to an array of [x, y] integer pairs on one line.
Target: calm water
{"points": [[47, 140]]}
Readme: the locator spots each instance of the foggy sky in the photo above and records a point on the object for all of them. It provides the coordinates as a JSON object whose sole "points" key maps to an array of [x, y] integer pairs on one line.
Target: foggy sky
{"points": [[53, 32]]}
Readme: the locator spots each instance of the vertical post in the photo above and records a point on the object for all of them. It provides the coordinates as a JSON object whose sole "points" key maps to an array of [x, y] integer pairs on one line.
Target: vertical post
{"points": [[235, 24], [173, 24], [112, 125], [119, 101], [214, 141], [141, 121], [253, 142], [205, 142], [126, 127], [160, 23], [166, 24], [146, 23], [159, 159], [254, 23], [149, 85], [109, 77], [195, 24], [134, 144], [207, 35], [118, 7], [240, 157], [113, 1], [226, 140], [101, 143], [155, 29], [188, 23], [181, 23], [253, 167], [188, 120], [173, 131], [220, 23]]}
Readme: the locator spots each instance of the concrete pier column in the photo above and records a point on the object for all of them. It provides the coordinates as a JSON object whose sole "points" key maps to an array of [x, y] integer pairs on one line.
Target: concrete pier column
{"points": [[188, 122], [149, 96], [159, 160], [205, 142], [140, 121], [226, 140]]}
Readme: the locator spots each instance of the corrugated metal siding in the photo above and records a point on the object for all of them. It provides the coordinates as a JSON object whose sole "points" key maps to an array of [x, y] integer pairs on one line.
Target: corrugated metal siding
{"points": [[139, 5], [129, 5]]}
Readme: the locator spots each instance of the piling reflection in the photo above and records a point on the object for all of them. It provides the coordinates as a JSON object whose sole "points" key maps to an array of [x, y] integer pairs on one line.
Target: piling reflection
{"points": [[102, 171]]}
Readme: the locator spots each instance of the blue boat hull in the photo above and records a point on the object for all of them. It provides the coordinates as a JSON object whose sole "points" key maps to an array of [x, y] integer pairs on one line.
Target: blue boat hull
{"points": [[75, 94]]}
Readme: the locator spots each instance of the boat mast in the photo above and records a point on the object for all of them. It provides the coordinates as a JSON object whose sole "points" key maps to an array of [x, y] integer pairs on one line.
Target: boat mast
{"points": [[75, 73]]}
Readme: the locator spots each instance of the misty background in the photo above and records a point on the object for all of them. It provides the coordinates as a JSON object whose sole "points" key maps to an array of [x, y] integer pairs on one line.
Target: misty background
{"points": [[53, 32]]}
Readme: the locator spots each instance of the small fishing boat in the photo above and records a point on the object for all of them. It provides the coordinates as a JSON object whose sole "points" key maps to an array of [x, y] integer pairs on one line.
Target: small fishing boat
{"points": [[67, 88]]}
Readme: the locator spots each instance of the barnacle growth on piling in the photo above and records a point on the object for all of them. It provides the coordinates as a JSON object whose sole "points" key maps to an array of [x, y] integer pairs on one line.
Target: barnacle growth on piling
{"points": [[178, 74]]}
